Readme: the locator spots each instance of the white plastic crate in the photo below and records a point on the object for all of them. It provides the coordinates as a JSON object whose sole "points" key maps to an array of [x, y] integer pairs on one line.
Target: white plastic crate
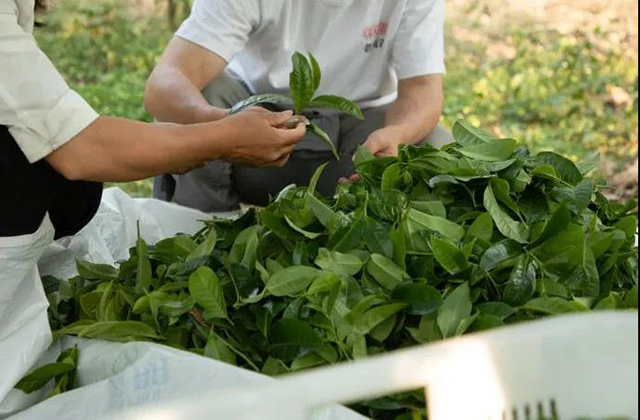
{"points": [[569, 367]]}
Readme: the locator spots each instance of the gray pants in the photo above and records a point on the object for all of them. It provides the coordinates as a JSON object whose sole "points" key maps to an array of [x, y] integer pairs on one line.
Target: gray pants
{"points": [[221, 186]]}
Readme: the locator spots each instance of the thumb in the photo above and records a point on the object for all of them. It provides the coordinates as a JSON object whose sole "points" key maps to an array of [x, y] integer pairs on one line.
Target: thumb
{"points": [[279, 118], [373, 145]]}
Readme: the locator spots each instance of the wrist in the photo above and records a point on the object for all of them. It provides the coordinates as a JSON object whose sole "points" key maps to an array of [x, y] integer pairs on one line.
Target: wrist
{"points": [[219, 136], [205, 141]]}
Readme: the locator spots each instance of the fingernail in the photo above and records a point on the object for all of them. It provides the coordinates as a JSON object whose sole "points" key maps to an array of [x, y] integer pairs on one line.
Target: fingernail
{"points": [[287, 113]]}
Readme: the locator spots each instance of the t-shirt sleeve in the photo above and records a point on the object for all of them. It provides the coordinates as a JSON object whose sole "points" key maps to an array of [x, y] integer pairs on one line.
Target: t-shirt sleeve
{"points": [[419, 46], [40, 110], [221, 26]]}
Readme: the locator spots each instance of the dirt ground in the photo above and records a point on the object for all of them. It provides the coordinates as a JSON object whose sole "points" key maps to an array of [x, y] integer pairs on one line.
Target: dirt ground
{"points": [[618, 19]]}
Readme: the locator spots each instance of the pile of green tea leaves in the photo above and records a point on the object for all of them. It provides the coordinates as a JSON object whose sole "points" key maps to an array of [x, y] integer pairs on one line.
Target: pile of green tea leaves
{"points": [[430, 245]]}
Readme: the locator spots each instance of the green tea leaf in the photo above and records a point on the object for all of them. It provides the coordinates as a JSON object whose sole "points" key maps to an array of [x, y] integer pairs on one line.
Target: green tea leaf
{"points": [[533, 204], [177, 308], [558, 222], [172, 250], [610, 303], [337, 262], [554, 306], [428, 330], [522, 283], [205, 249], [288, 336], [313, 183], [377, 238], [218, 349], [629, 225], [500, 253], [565, 168], [482, 227], [386, 272], [468, 135], [584, 279], [588, 164], [376, 316], [465, 324], [455, 308], [493, 151], [575, 198], [436, 224], [317, 72], [422, 298], [362, 156], [502, 191], [305, 233], [321, 211], [274, 367], [258, 100], [292, 281], [143, 274], [313, 128], [301, 82], [39, 377], [338, 103], [448, 256], [517, 231], [92, 271], [206, 290], [118, 331], [499, 310], [323, 284], [306, 362], [391, 177], [245, 248]]}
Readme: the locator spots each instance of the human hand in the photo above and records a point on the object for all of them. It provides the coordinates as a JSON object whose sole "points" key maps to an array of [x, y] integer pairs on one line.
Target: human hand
{"points": [[262, 138], [353, 179], [383, 142]]}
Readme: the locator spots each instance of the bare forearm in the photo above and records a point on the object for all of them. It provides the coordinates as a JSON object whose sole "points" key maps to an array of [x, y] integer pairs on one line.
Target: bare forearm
{"points": [[119, 150], [417, 110], [171, 97], [173, 92]]}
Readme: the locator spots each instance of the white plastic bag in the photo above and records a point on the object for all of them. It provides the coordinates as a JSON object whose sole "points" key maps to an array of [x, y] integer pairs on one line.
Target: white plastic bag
{"points": [[107, 238], [24, 326], [114, 376]]}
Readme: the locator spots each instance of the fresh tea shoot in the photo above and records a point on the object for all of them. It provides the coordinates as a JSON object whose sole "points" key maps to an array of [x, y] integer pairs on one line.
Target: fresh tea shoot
{"points": [[304, 81]]}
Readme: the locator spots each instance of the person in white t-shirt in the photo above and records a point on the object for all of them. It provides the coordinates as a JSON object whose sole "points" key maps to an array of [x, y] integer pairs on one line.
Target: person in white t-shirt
{"points": [[386, 55]]}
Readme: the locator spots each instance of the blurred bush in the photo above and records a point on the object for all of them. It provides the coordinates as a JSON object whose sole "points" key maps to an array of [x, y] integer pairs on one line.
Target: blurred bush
{"points": [[556, 92], [106, 49]]}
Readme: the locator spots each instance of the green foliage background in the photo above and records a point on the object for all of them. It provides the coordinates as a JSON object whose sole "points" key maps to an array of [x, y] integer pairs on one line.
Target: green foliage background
{"points": [[551, 94]]}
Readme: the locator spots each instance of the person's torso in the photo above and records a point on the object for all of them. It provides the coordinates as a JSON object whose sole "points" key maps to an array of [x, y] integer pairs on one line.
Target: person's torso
{"points": [[352, 40]]}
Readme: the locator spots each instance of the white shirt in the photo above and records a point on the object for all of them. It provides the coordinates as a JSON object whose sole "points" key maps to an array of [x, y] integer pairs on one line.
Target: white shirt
{"points": [[363, 46], [40, 110]]}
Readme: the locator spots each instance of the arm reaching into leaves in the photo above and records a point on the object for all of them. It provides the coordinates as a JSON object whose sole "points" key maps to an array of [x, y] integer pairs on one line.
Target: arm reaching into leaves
{"points": [[412, 117], [173, 91]]}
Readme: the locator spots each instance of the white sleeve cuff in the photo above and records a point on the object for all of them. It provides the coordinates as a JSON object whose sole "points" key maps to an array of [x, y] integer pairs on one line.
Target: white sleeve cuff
{"points": [[65, 121], [205, 41], [417, 71]]}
